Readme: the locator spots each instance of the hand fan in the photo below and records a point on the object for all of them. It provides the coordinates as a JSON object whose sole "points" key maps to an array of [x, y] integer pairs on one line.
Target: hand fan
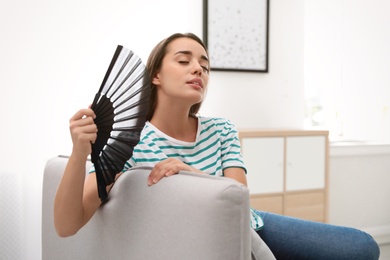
{"points": [[120, 105]]}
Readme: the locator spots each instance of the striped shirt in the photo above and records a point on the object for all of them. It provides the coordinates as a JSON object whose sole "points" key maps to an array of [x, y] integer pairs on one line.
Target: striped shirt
{"points": [[215, 149]]}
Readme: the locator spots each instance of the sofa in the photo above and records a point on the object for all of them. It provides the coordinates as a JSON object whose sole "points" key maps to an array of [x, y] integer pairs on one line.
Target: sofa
{"points": [[186, 216]]}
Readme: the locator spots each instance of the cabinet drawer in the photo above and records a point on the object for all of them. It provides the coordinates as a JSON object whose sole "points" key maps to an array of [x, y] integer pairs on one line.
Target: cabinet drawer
{"points": [[271, 203], [309, 206]]}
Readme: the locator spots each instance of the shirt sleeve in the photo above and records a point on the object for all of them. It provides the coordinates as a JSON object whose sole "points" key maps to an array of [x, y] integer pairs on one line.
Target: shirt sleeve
{"points": [[231, 147], [256, 220], [92, 169], [232, 157]]}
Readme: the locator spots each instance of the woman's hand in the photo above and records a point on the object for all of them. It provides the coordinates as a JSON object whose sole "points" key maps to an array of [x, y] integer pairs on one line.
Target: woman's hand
{"points": [[83, 131], [167, 168], [77, 198]]}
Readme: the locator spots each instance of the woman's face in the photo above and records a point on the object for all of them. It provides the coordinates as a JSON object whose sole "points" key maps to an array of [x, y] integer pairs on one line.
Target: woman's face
{"points": [[184, 73]]}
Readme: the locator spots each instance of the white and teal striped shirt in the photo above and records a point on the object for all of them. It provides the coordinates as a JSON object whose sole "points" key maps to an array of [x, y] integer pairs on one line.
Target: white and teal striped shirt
{"points": [[216, 148]]}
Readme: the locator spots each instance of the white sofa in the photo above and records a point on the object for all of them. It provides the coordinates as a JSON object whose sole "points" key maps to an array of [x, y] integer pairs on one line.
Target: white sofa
{"points": [[186, 216]]}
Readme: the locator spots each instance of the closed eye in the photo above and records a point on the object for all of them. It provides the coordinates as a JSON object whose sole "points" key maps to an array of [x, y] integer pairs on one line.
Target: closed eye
{"points": [[204, 68]]}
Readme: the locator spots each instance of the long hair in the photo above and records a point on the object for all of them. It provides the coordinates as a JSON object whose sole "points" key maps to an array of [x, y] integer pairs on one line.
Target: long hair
{"points": [[154, 64]]}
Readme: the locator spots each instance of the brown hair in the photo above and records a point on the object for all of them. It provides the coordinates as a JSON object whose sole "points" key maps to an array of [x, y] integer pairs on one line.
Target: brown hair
{"points": [[154, 64]]}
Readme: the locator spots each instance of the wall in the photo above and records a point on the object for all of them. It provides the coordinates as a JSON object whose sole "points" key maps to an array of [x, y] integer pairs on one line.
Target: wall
{"points": [[346, 64], [53, 58], [54, 55], [274, 99], [347, 60], [358, 187]]}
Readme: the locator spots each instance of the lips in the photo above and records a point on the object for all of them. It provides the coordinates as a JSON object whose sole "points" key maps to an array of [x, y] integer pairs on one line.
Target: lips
{"points": [[196, 81]]}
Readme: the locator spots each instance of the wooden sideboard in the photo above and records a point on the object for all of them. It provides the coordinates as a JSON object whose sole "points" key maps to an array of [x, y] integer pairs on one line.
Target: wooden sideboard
{"points": [[287, 171]]}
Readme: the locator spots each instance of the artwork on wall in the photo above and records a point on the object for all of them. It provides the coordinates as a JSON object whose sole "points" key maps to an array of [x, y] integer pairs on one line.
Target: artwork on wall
{"points": [[236, 34]]}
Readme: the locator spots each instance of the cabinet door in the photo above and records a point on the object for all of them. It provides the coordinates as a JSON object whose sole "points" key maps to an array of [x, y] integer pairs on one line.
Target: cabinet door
{"points": [[268, 203], [309, 206], [305, 158], [263, 158]]}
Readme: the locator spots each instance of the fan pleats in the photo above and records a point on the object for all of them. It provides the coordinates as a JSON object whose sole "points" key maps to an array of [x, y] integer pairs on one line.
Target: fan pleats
{"points": [[121, 106]]}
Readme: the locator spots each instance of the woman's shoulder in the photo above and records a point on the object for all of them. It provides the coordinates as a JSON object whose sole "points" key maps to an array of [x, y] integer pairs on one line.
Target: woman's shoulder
{"points": [[147, 132], [214, 120], [219, 123]]}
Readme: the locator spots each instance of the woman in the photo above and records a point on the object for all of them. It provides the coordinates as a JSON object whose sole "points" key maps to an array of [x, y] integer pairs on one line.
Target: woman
{"points": [[174, 139]]}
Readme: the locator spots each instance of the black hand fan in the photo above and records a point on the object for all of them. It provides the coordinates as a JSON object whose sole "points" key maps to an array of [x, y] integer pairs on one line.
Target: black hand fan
{"points": [[120, 106]]}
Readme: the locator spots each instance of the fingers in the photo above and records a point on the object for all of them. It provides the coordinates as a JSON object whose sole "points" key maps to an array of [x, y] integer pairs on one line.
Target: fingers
{"points": [[82, 113], [82, 118], [165, 168], [83, 131], [82, 122]]}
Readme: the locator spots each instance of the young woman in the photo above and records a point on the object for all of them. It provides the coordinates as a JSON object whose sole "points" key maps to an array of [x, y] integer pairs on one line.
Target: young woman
{"points": [[174, 139]]}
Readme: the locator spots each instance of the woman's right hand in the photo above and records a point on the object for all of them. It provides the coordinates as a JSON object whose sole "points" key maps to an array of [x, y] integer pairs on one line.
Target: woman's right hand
{"points": [[83, 131]]}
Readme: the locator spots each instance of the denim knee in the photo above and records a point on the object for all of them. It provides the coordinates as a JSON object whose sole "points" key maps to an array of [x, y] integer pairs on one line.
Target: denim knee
{"points": [[368, 248]]}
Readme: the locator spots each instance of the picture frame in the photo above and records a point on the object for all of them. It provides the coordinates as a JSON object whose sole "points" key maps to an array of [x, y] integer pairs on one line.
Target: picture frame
{"points": [[236, 34]]}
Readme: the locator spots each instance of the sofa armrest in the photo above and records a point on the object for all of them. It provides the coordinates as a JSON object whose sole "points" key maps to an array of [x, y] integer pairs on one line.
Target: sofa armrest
{"points": [[185, 216]]}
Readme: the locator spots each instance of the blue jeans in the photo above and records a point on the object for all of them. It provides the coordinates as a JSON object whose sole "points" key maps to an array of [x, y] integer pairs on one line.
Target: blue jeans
{"points": [[292, 238]]}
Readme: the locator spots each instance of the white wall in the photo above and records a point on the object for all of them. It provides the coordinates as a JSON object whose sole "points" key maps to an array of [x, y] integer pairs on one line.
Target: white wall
{"points": [[274, 99], [359, 191], [54, 55], [53, 58], [347, 61]]}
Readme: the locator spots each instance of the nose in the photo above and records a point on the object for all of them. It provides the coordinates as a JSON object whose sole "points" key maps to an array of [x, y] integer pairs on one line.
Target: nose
{"points": [[197, 69]]}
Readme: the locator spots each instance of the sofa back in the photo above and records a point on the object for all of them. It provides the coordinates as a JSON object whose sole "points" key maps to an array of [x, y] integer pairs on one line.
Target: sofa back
{"points": [[185, 216]]}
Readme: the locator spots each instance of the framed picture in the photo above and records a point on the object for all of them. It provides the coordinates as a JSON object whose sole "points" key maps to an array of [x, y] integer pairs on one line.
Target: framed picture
{"points": [[236, 34]]}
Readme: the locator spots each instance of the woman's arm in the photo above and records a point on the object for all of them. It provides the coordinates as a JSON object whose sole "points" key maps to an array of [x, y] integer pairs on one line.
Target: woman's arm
{"points": [[167, 168], [172, 166], [237, 174], [77, 198]]}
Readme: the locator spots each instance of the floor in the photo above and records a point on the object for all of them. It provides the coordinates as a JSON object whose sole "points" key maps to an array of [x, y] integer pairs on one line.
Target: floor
{"points": [[385, 252]]}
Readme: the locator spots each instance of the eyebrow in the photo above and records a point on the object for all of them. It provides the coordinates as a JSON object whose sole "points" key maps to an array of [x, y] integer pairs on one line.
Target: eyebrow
{"points": [[203, 57]]}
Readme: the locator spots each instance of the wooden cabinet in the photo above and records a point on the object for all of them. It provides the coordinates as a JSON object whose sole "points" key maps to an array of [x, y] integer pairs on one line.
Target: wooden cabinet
{"points": [[287, 171]]}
